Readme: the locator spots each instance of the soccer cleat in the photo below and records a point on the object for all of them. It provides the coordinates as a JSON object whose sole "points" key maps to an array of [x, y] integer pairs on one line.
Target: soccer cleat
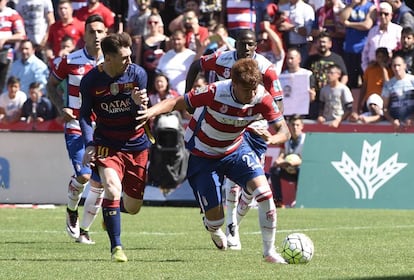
{"points": [[118, 255], [233, 238], [72, 223], [219, 239], [275, 258], [84, 238]]}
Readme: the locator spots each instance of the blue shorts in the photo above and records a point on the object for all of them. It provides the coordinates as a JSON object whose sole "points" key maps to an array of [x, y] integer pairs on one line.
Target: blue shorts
{"points": [[76, 150], [256, 142], [205, 175]]}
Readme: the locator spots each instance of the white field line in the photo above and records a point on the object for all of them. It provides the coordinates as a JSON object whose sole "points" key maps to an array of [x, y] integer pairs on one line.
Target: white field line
{"points": [[241, 230]]}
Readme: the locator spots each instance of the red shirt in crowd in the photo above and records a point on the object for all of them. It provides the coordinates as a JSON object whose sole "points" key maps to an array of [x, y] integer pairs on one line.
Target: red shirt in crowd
{"points": [[58, 30], [107, 15]]}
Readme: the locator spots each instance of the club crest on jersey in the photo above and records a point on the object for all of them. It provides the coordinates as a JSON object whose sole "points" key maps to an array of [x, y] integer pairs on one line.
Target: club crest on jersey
{"points": [[226, 73], [223, 109], [81, 70], [114, 88], [128, 87]]}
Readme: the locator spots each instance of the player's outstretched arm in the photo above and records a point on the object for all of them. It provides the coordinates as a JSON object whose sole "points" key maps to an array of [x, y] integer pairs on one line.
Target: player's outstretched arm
{"points": [[165, 106]]}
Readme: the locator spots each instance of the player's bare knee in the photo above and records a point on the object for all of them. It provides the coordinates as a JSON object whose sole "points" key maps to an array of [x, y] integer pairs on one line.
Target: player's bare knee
{"points": [[83, 179], [133, 208]]}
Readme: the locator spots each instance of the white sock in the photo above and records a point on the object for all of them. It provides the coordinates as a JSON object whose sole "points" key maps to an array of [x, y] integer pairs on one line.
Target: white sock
{"points": [[75, 191], [243, 206], [91, 208], [267, 218], [232, 200]]}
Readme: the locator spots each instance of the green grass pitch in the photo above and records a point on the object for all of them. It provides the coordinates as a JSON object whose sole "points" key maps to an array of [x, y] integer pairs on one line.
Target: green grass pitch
{"points": [[171, 243]]}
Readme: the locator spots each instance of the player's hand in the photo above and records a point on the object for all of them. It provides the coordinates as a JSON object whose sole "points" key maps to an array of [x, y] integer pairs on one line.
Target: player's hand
{"points": [[90, 156], [263, 133], [140, 97], [67, 114]]}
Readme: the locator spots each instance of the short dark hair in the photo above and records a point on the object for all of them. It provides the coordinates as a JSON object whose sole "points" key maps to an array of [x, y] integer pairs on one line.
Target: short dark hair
{"points": [[67, 38], [382, 50], [398, 54], [407, 31], [94, 18], [294, 118], [35, 85], [65, 1], [324, 34], [13, 80], [27, 41], [243, 32], [178, 32], [335, 66], [112, 43]]}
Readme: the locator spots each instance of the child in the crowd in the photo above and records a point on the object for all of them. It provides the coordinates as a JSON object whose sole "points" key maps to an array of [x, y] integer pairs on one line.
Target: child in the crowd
{"points": [[37, 108], [335, 99], [11, 102]]}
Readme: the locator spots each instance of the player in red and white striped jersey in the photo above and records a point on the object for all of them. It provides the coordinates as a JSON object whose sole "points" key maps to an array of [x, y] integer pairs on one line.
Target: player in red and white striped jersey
{"points": [[70, 69], [222, 63], [214, 136]]}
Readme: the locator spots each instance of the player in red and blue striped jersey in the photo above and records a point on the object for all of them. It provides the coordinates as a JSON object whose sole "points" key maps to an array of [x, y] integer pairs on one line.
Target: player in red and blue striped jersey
{"points": [[214, 136], [118, 151]]}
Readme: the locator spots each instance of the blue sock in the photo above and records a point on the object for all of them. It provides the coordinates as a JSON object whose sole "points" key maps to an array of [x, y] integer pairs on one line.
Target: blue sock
{"points": [[122, 207], [112, 219]]}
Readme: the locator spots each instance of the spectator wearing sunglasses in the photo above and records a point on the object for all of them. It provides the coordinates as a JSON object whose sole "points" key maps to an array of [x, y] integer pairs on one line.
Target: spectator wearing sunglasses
{"points": [[384, 34]]}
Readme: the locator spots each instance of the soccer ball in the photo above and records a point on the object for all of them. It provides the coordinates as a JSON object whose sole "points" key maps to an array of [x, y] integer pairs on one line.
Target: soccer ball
{"points": [[297, 248]]}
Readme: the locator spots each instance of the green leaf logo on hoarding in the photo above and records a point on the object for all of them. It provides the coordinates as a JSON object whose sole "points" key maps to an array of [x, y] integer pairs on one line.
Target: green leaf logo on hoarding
{"points": [[368, 177]]}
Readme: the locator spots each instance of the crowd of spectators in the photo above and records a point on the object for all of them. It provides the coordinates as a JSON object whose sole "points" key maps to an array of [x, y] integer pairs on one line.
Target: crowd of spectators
{"points": [[351, 45]]}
